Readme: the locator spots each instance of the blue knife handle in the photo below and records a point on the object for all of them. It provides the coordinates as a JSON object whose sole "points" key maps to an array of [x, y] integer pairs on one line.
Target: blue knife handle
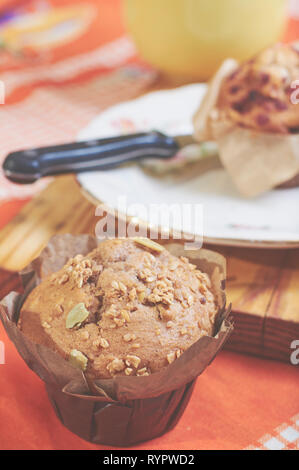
{"points": [[27, 166]]}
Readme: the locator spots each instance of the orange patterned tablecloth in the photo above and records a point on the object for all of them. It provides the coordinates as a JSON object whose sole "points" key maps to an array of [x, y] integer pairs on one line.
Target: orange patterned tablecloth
{"points": [[239, 402], [75, 61]]}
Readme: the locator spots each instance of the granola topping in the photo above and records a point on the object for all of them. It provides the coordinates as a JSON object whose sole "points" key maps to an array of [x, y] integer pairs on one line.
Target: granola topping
{"points": [[117, 365], [147, 243], [104, 343], [171, 357], [129, 337], [142, 372], [132, 360]]}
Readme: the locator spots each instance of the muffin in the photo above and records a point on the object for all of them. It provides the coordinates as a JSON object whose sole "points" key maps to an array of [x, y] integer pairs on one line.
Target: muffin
{"points": [[129, 307], [119, 332], [249, 111], [257, 95]]}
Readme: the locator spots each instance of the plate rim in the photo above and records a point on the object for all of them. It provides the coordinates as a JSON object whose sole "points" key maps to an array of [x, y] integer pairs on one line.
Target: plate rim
{"points": [[229, 242]]}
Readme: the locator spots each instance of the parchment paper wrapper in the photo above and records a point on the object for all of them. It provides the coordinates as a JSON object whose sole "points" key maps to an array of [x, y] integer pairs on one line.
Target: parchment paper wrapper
{"points": [[120, 411], [256, 161]]}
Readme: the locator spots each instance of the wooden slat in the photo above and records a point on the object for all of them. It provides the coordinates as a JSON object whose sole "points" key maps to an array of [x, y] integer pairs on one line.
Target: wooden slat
{"points": [[285, 301], [252, 277], [60, 208], [282, 317]]}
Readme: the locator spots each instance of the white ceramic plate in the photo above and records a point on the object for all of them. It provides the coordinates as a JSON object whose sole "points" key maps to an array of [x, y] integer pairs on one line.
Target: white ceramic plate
{"points": [[271, 220]]}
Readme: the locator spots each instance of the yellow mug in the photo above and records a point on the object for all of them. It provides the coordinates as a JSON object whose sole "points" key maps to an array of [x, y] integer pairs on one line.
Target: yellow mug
{"points": [[188, 39]]}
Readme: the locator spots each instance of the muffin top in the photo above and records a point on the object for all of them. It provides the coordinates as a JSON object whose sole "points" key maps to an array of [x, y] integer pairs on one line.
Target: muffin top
{"points": [[257, 95], [127, 308]]}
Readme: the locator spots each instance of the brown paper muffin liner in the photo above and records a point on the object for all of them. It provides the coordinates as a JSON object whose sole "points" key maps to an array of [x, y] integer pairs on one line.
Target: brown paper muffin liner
{"points": [[256, 161], [120, 411], [292, 183]]}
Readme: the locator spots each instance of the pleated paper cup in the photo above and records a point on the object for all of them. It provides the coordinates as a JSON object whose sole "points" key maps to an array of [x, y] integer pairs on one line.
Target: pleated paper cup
{"points": [[120, 411]]}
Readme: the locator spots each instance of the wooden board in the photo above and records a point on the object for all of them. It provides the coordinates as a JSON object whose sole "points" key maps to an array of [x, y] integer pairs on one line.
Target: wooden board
{"points": [[263, 285]]}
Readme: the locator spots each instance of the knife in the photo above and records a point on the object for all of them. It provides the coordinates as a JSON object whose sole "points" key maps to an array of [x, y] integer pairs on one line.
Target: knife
{"points": [[27, 166]]}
